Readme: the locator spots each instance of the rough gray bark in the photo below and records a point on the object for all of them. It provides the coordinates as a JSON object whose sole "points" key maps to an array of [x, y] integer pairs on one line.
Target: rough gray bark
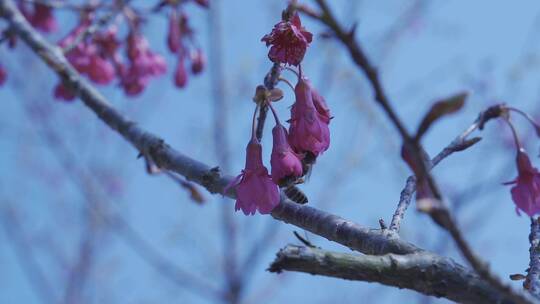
{"points": [[424, 272], [532, 282]]}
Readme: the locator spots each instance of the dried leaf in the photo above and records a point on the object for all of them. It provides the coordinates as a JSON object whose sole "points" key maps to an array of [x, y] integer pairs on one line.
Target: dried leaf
{"points": [[194, 193], [439, 109], [517, 277], [275, 94]]}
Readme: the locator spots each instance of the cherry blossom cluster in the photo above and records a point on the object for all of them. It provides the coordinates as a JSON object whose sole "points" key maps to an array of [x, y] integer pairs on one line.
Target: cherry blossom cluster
{"points": [[308, 134], [104, 58], [179, 39]]}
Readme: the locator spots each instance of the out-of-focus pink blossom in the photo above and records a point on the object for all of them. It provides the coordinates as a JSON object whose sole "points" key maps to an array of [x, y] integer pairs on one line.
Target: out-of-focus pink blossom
{"points": [[180, 75], [174, 36], [203, 3], [289, 41], [308, 131], [3, 75], [100, 70], [107, 41], [42, 18], [144, 64], [526, 189], [254, 187], [285, 162], [91, 57], [63, 93], [198, 61]]}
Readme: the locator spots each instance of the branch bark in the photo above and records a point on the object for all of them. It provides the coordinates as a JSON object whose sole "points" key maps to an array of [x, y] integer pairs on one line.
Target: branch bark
{"points": [[423, 272], [532, 282]]}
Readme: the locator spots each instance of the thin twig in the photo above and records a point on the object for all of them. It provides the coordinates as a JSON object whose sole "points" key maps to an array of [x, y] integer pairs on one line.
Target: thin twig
{"points": [[460, 143]]}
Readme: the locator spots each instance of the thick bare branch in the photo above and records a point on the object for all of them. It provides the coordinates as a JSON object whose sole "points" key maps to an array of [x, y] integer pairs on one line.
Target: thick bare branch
{"points": [[532, 282], [424, 272]]}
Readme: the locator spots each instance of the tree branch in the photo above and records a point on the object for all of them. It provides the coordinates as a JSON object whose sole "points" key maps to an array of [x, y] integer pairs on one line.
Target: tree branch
{"points": [[460, 143], [423, 272], [532, 282]]}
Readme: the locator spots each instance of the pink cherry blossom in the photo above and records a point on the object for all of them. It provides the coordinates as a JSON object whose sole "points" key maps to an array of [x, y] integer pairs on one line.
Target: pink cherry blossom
{"points": [[198, 61], [91, 57], [308, 131], [526, 190], [63, 93], [42, 18], [254, 187], [144, 64], [3, 75], [180, 75], [203, 3], [285, 162], [174, 35], [289, 41]]}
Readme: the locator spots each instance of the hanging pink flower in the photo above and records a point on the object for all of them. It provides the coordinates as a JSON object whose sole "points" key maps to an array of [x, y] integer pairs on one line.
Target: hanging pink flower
{"points": [[180, 75], [107, 41], [526, 190], [203, 3], [198, 61], [289, 41], [144, 64], [254, 187], [308, 131], [174, 35], [100, 70], [3, 75], [61, 92], [42, 18], [285, 162]]}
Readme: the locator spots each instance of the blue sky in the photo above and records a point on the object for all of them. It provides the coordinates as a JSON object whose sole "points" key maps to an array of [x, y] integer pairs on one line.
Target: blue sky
{"points": [[488, 48]]}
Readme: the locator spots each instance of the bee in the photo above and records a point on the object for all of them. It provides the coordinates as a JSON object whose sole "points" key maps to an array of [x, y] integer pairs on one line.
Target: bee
{"points": [[289, 184], [295, 194]]}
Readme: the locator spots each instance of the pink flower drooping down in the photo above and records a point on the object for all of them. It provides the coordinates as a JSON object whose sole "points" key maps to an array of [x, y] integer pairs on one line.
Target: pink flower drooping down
{"points": [[42, 18], [254, 187], [285, 162], [3, 75], [198, 61], [308, 131], [180, 74], [143, 64], [289, 41], [87, 57], [179, 36], [526, 189]]}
